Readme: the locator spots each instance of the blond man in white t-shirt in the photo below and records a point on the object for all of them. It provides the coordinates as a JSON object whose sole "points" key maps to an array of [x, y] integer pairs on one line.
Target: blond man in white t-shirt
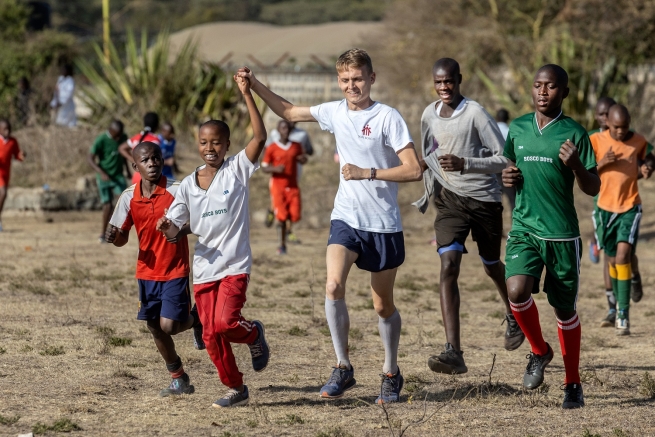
{"points": [[376, 152]]}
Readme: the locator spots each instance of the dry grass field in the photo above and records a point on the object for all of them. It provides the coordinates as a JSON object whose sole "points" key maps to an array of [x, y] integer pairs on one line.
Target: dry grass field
{"points": [[74, 358]]}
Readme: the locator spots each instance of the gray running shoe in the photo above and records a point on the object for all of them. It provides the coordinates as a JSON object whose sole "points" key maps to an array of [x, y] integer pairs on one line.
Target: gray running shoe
{"points": [[449, 361], [609, 320], [179, 386], [637, 291], [390, 388], [573, 397], [233, 398], [514, 336], [534, 372]]}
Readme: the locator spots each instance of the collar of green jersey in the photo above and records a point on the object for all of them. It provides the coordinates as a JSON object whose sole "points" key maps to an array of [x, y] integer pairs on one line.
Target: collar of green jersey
{"points": [[551, 122]]}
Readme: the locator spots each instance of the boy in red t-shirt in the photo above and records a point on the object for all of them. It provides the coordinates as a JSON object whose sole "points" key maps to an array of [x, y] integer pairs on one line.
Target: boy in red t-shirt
{"points": [[149, 133], [8, 149], [162, 268], [281, 160]]}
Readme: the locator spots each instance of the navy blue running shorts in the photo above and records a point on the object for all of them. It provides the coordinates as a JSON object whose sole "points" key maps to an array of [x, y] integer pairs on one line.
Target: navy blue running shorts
{"points": [[167, 299], [377, 251]]}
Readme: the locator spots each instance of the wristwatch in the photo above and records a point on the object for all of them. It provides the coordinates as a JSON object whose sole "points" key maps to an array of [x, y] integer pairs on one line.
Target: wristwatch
{"points": [[373, 172]]}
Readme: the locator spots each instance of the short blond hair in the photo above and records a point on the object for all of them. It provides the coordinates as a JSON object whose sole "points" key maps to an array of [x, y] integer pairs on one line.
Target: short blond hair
{"points": [[357, 58]]}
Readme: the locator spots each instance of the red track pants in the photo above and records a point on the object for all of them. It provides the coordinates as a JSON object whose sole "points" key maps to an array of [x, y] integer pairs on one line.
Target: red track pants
{"points": [[219, 307]]}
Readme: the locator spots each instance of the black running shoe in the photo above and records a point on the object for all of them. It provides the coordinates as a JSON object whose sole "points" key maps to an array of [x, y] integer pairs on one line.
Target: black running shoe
{"points": [[534, 372], [514, 336], [573, 397], [179, 386], [609, 319], [259, 351], [637, 291], [449, 361], [198, 342]]}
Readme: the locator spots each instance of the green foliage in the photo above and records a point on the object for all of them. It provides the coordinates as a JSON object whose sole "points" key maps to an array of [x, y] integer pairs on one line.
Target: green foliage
{"points": [[182, 89], [34, 56], [13, 18], [647, 386], [53, 351], [62, 425], [500, 45], [119, 341], [8, 420], [297, 331], [334, 432]]}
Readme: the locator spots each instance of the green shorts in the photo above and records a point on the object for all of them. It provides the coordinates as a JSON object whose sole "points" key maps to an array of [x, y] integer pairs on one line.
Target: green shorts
{"points": [[527, 255], [612, 228], [113, 187]]}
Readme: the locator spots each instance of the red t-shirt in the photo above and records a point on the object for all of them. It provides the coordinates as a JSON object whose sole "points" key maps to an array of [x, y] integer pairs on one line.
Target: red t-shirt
{"points": [[286, 155], [158, 259], [8, 149], [134, 141]]}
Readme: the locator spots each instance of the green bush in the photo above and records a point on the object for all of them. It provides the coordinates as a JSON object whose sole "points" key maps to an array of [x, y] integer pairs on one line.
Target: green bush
{"points": [[181, 89]]}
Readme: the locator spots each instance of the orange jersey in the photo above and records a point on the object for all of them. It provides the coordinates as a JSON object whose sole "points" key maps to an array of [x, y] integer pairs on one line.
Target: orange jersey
{"points": [[8, 149], [618, 181], [286, 155]]}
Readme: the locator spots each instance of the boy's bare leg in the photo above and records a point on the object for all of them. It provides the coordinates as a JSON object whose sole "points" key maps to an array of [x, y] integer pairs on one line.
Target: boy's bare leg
{"points": [[164, 340], [106, 216], [449, 296], [3, 196], [497, 274], [283, 234], [339, 260], [389, 322]]}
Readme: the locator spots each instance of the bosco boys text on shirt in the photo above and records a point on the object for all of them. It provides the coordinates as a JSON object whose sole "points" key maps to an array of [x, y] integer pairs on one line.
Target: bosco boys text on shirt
{"points": [[544, 200], [369, 138], [220, 217]]}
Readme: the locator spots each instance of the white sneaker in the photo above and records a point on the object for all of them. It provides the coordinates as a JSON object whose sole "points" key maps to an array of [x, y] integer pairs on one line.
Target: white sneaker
{"points": [[622, 326]]}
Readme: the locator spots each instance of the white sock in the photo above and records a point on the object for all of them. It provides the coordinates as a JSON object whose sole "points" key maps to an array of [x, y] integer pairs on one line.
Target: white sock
{"points": [[339, 323], [390, 334]]}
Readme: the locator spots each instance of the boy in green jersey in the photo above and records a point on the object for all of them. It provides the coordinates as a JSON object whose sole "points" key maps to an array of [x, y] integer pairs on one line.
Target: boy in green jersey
{"points": [[108, 163], [548, 152]]}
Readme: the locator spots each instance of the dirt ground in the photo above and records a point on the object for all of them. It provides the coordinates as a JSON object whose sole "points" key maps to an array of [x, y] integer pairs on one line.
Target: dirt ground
{"points": [[72, 354]]}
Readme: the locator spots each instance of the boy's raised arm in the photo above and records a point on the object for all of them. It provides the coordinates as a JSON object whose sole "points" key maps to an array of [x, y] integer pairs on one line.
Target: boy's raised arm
{"points": [[256, 145], [279, 105]]}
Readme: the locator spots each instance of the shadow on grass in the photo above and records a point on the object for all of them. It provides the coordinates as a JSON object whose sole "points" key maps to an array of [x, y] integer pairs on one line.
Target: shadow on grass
{"points": [[281, 388], [343, 403]]}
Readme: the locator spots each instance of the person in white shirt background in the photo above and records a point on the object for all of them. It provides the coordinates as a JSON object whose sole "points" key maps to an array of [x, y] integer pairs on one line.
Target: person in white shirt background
{"points": [[62, 100]]}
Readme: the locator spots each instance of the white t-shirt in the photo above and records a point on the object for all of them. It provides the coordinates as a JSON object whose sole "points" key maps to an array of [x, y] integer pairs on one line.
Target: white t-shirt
{"points": [[219, 217], [368, 138]]}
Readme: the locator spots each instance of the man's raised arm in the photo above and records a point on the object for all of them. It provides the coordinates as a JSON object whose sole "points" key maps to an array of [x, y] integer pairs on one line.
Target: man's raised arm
{"points": [[279, 105]]}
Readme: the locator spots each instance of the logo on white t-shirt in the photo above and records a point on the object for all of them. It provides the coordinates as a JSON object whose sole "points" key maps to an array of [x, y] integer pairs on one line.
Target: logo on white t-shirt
{"points": [[366, 130]]}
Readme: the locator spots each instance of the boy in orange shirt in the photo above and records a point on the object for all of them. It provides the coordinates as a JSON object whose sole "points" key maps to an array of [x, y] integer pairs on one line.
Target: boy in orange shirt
{"points": [[620, 154], [8, 149], [281, 160]]}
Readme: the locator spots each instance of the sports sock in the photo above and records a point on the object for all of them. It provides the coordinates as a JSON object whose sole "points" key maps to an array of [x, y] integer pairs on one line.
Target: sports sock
{"points": [[614, 280], [390, 334], [527, 316], [336, 313], [623, 279], [611, 300], [569, 333], [175, 368]]}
